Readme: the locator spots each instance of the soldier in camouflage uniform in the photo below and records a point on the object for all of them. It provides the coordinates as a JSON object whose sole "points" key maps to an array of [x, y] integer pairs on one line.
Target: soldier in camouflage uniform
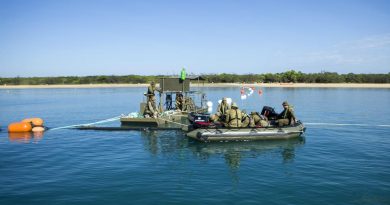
{"points": [[246, 119], [287, 117], [151, 89], [223, 108], [189, 104], [233, 116], [151, 108], [179, 101], [258, 120]]}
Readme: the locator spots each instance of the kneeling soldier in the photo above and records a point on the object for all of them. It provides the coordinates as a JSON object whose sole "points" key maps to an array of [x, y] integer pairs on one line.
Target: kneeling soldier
{"points": [[246, 119], [258, 120], [233, 116]]}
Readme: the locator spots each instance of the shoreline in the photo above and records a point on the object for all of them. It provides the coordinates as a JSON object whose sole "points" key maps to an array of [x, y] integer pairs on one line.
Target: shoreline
{"points": [[266, 85]]}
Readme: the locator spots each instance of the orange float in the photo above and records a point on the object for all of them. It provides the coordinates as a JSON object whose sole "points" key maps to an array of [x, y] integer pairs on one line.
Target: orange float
{"points": [[35, 121], [19, 127]]}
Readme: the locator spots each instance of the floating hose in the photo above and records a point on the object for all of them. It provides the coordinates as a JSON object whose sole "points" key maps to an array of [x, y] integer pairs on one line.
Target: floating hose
{"points": [[89, 124]]}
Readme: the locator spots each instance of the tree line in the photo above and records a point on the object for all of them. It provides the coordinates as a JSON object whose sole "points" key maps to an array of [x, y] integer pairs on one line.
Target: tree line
{"points": [[290, 76]]}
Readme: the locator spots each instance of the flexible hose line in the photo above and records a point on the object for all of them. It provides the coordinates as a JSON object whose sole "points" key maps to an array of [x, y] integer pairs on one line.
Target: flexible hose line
{"points": [[88, 124]]}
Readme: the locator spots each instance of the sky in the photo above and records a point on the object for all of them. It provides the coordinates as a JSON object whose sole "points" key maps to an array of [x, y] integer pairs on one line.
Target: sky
{"points": [[102, 37]]}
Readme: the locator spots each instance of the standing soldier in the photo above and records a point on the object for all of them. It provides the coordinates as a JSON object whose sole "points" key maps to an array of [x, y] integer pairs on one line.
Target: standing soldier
{"points": [[179, 104], [233, 116], [151, 89], [287, 117], [168, 101]]}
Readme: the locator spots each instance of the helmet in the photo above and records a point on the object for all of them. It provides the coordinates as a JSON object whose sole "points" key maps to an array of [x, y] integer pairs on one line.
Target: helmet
{"points": [[224, 99], [285, 103], [234, 105], [152, 83]]}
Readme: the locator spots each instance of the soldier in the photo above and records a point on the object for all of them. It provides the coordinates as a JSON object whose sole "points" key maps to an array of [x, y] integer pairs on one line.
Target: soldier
{"points": [[179, 104], [151, 89], [151, 108], [188, 104], [168, 101], [287, 117], [258, 120], [246, 119], [233, 116], [223, 108]]}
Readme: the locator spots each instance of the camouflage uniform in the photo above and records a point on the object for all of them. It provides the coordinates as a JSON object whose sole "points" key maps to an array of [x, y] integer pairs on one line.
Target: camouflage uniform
{"points": [[151, 108], [287, 116], [151, 89], [188, 104], [179, 104], [246, 119], [258, 120], [233, 117], [223, 108]]}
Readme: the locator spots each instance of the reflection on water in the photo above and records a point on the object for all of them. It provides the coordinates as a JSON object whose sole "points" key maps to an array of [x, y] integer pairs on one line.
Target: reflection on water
{"points": [[233, 152], [25, 137], [170, 142], [163, 142]]}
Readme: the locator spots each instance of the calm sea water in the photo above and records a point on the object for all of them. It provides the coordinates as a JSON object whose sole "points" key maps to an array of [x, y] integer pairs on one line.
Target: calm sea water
{"points": [[344, 162]]}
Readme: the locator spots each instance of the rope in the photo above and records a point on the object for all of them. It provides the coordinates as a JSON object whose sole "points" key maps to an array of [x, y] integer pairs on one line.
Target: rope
{"points": [[88, 124]]}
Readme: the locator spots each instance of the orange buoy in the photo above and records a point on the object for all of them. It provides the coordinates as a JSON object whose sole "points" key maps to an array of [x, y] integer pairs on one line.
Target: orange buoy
{"points": [[38, 129], [19, 127], [35, 121]]}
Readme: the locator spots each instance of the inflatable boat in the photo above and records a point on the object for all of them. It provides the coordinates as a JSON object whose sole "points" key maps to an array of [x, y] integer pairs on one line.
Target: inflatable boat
{"points": [[243, 134]]}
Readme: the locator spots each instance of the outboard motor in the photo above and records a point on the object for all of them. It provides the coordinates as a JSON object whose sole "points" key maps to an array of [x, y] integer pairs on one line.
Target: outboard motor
{"points": [[199, 120], [269, 112]]}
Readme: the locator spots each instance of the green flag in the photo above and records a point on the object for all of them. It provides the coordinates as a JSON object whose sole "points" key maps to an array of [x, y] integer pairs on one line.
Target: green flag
{"points": [[183, 74]]}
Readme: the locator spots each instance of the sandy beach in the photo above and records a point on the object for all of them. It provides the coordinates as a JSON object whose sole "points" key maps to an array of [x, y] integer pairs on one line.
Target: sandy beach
{"points": [[270, 85]]}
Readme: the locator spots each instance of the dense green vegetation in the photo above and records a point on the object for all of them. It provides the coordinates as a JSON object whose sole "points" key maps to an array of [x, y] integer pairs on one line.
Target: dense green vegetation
{"points": [[299, 77], [285, 77]]}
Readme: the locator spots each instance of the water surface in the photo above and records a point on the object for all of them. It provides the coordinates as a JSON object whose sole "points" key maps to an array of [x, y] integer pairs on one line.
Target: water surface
{"points": [[331, 164]]}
